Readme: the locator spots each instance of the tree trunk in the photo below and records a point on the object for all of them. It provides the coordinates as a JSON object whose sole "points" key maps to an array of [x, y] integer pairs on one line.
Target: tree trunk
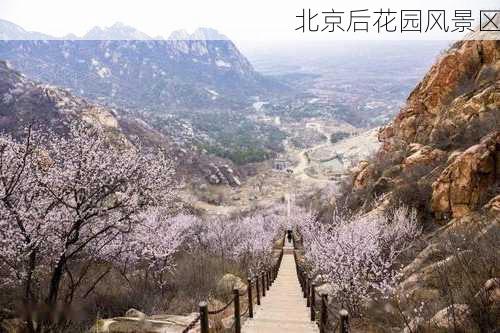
{"points": [[55, 281]]}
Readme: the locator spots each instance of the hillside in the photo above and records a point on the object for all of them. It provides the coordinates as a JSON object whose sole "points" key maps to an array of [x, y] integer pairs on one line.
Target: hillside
{"points": [[25, 102], [122, 66], [441, 155], [448, 132], [197, 89]]}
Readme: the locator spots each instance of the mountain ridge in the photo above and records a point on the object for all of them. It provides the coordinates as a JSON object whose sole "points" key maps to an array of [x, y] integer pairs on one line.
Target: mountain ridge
{"points": [[116, 31], [138, 72]]}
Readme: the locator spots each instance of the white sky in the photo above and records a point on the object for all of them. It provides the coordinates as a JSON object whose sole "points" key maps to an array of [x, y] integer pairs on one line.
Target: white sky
{"points": [[255, 20]]}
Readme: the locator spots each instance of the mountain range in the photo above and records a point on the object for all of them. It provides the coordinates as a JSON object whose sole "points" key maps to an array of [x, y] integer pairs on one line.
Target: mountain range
{"points": [[117, 31], [193, 91], [124, 67]]}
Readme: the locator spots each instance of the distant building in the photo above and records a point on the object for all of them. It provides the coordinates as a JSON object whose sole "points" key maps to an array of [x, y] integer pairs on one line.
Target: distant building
{"points": [[280, 165]]}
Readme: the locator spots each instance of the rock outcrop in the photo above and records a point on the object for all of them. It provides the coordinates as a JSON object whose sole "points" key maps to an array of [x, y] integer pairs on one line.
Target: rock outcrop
{"points": [[421, 155], [494, 205], [460, 87], [441, 156], [454, 317], [450, 129], [361, 175], [464, 184]]}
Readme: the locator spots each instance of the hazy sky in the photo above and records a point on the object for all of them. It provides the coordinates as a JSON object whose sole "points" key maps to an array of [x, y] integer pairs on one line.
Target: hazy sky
{"points": [[239, 20]]}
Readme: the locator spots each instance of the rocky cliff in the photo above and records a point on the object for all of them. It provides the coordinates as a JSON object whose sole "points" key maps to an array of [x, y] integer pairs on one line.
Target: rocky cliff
{"points": [[441, 155], [459, 90], [450, 126]]}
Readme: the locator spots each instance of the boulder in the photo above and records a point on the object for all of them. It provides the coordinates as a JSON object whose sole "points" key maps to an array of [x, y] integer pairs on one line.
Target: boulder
{"points": [[456, 316], [423, 156], [490, 292], [494, 205], [213, 179], [228, 282], [228, 173], [133, 313]]}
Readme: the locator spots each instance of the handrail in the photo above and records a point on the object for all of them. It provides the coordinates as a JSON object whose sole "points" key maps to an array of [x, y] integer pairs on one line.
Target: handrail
{"points": [[267, 277], [192, 324], [214, 312], [308, 286]]}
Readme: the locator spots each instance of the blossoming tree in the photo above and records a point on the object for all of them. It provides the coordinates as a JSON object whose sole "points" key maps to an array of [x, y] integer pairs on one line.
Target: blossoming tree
{"points": [[66, 198], [358, 254]]}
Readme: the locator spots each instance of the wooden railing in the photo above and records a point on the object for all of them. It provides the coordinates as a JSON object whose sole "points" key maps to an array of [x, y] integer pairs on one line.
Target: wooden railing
{"points": [[259, 284], [320, 313]]}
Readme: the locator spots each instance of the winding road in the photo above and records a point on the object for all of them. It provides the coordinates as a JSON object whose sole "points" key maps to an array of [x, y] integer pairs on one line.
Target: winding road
{"points": [[299, 170]]}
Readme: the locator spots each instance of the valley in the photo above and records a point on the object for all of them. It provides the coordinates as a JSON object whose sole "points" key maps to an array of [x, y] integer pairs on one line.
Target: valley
{"points": [[201, 97], [149, 184], [320, 166]]}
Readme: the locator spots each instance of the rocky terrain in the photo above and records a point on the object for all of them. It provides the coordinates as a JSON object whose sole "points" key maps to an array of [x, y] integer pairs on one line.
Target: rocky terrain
{"points": [[452, 122], [441, 155]]}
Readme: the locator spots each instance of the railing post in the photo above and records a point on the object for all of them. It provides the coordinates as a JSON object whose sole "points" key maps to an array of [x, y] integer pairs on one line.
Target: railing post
{"points": [[203, 317], [304, 289], [312, 302], [303, 283], [263, 286], [324, 313], [281, 258], [237, 319], [308, 288], [267, 280], [257, 289], [298, 273], [344, 321], [250, 299]]}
